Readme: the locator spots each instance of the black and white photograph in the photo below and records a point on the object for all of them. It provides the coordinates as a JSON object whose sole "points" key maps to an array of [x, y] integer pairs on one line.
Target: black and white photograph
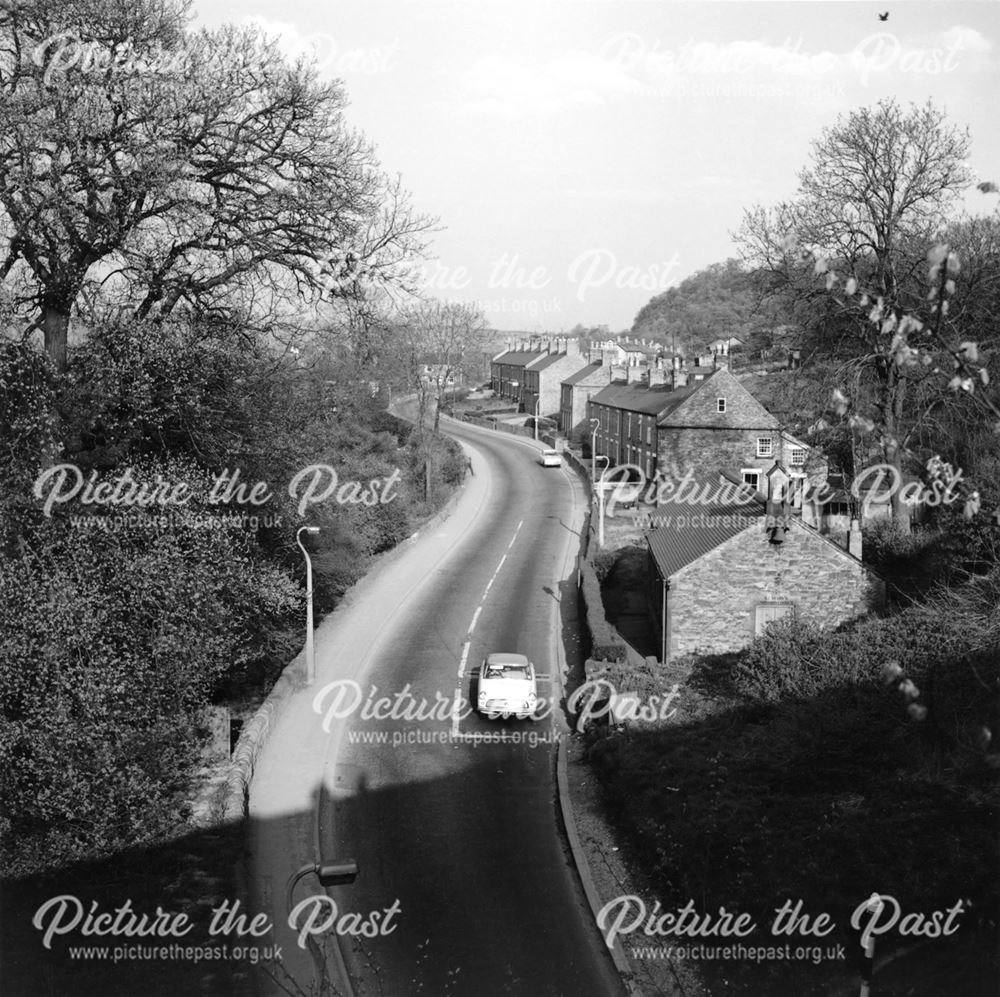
{"points": [[499, 498]]}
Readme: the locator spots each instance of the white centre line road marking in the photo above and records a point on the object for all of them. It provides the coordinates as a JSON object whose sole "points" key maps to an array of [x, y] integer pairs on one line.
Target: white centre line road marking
{"points": [[456, 705]]}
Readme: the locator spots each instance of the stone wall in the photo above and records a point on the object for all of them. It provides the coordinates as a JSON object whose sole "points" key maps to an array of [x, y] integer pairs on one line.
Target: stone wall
{"points": [[709, 450], [701, 408], [711, 604]]}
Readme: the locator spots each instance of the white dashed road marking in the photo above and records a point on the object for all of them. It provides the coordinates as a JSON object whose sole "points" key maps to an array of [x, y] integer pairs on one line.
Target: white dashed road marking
{"points": [[472, 626]]}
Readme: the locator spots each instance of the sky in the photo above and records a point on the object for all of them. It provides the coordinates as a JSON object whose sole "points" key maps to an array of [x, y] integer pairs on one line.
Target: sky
{"points": [[583, 156]]}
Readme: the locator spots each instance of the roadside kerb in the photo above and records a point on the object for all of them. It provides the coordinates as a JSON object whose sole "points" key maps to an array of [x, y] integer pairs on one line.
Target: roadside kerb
{"points": [[254, 735], [622, 964]]}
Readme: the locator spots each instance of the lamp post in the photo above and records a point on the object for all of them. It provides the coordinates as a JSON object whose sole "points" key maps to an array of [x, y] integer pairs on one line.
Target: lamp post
{"points": [[310, 647], [329, 874], [538, 403], [596, 423], [600, 503]]}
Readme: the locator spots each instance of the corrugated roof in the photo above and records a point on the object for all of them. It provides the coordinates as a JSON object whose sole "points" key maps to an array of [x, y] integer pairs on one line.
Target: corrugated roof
{"points": [[657, 400], [582, 374], [691, 528]]}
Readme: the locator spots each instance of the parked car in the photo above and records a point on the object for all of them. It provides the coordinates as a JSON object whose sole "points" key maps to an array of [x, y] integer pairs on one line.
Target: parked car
{"points": [[551, 458], [507, 686]]}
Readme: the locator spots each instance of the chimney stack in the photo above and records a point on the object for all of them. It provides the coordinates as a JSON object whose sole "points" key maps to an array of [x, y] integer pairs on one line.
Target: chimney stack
{"points": [[777, 522]]}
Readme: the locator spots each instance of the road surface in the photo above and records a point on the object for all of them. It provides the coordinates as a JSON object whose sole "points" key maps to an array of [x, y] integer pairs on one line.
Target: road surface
{"points": [[466, 886]]}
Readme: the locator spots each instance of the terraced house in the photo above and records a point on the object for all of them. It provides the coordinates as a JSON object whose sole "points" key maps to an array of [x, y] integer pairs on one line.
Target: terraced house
{"points": [[530, 373], [625, 419], [710, 423]]}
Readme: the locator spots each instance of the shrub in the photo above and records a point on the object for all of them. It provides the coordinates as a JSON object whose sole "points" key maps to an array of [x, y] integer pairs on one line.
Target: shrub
{"points": [[604, 562], [606, 642], [111, 640]]}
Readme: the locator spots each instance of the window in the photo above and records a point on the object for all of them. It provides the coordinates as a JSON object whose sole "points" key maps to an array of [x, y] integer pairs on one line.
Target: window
{"points": [[763, 446], [797, 458], [768, 612], [649, 434], [752, 477], [721, 403]]}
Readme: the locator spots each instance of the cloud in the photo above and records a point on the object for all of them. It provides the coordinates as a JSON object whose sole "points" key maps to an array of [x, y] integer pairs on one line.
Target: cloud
{"points": [[712, 59], [628, 65], [499, 86], [965, 39], [325, 50]]}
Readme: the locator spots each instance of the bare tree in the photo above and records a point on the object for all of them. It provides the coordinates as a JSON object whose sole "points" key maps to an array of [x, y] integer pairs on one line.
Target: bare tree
{"points": [[177, 169], [880, 186], [445, 341], [437, 341]]}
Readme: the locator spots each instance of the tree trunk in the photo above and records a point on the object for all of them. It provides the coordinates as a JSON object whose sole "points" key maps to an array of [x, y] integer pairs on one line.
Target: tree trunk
{"points": [[895, 386], [55, 327]]}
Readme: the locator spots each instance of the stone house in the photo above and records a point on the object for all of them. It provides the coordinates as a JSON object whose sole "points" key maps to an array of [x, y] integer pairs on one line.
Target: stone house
{"points": [[718, 423], [709, 422], [721, 566]]}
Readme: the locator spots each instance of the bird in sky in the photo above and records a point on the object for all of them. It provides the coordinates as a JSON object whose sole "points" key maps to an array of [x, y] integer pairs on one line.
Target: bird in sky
{"points": [[884, 17]]}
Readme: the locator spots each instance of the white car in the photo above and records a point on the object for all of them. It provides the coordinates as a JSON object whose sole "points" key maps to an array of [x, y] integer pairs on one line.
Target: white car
{"points": [[551, 458], [507, 686]]}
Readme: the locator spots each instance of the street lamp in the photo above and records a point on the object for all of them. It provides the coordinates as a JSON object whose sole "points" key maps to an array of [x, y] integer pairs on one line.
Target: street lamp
{"points": [[596, 423], [538, 403], [310, 647], [329, 874]]}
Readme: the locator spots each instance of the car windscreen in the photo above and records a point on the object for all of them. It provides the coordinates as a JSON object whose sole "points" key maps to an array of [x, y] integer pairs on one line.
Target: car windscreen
{"points": [[515, 672]]}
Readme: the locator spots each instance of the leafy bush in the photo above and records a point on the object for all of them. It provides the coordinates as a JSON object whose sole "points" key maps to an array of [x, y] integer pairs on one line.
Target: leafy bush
{"points": [[27, 431], [604, 561], [797, 659], [606, 643], [113, 635]]}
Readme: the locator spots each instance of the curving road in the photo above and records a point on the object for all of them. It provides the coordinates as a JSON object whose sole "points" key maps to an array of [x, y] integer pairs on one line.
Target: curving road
{"points": [[452, 818]]}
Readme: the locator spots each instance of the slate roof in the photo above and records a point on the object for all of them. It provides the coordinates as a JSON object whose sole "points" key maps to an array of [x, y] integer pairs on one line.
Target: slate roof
{"points": [[582, 374], [547, 360], [707, 525], [657, 400], [519, 358]]}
